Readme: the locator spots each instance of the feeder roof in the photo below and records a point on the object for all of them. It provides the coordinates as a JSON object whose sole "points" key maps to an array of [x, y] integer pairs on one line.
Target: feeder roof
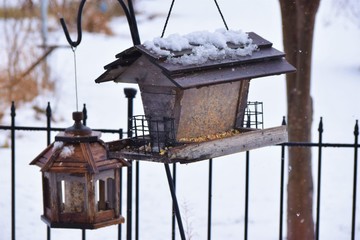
{"points": [[76, 157], [263, 61]]}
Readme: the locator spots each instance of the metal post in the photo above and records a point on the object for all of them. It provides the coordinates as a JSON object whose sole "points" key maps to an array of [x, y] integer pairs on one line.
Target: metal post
{"points": [[134, 28], [129, 202], [120, 192], [130, 94], [246, 215], [120, 202], [320, 129], [173, 231], [48, 134], [175, 202], [84, 111], [137, 190], [353, 222], [209, 199], [13, 114], [282, 173], [48, 123]]}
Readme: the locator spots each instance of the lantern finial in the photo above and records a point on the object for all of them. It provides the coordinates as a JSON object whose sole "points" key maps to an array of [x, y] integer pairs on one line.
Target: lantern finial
{"points": [[78, 129]]}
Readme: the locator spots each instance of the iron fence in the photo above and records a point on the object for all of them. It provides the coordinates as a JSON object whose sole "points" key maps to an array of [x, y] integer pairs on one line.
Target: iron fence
{"points": [[130, 94]]}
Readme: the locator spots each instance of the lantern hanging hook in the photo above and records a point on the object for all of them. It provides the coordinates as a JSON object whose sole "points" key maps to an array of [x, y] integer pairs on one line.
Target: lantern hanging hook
{"points": [[130, 16], [79, 30]]}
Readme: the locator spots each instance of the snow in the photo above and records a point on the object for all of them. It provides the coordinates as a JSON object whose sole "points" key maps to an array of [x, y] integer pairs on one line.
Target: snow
{"points": [[67, 151], [57, 145], [335, 90], [204, 46]]}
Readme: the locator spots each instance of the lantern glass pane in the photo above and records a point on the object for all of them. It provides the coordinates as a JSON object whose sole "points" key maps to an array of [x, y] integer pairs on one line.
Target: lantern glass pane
{"points": [[104, 190], [71, 193]]}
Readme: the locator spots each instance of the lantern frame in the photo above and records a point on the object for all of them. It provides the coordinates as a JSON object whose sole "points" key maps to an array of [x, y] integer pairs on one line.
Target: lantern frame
{"points": [[81, 185]]}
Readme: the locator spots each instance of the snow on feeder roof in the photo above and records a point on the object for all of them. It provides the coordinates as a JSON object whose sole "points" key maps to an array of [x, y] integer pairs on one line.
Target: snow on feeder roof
{"points": [[247, 56], [201, 47], [197, 85]]}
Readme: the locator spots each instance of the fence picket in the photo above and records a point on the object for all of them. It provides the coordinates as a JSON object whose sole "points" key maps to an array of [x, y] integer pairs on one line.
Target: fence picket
{"points": [[320, 130], [13, 222], [320, 145], [356, 138]]}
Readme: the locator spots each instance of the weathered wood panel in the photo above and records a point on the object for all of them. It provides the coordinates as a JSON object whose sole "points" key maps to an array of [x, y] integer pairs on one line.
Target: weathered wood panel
{"points": [[248, 139], [158, 106], [117, 193], [86, 153], [242, 104], [207, 110], [239, 143], [105, 215], [231, 73], [90, 197], [54, 197]]}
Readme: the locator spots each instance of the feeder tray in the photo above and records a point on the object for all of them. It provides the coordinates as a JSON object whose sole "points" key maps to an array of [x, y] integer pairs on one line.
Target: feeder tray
{"points": [[247, 139]]}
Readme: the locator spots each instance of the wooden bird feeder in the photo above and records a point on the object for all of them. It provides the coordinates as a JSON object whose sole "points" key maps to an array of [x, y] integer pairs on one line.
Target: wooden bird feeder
{"points": [[196, 100], [80, 183]]}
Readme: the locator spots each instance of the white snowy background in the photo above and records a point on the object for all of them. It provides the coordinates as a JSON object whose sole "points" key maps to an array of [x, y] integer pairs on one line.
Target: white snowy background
{"points": [[335, 89]]}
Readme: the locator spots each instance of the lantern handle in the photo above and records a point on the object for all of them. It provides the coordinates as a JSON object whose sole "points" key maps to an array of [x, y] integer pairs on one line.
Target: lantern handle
{"points": [[130, 16]]}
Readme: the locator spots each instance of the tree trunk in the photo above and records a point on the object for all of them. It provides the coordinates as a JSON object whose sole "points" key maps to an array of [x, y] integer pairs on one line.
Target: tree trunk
{"points": [[298, 20]]}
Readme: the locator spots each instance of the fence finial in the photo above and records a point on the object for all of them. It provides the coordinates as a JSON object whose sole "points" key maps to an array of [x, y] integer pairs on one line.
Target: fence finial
{"points": [[321, 128], [356, 129], [48, 110], [13, 114]]}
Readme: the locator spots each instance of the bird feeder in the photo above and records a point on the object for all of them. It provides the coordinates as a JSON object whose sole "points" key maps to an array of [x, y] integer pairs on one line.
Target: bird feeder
{"points": [[80, 183], [198, 108]]}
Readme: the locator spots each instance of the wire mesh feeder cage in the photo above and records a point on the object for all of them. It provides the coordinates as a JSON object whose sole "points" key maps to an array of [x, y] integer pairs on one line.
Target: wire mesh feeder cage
{"points": [[152, 135], [254, 115]]}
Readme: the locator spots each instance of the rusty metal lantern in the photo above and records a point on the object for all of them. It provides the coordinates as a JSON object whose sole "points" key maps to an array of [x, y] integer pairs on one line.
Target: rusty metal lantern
{"points": [[201, 99], [80, 183]]}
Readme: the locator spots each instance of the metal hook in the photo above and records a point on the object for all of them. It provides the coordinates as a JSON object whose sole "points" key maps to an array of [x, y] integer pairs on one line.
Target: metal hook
{"points": [[79, 30], [130, 15]]}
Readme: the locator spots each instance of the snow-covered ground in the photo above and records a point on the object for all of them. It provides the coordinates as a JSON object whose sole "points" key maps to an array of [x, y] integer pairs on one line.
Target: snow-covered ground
{"points": [[335, 87]]}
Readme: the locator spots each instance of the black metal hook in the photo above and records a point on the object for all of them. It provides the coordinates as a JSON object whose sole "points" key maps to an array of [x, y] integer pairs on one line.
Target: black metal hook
{"points": [[130, 16], [79, 30]]}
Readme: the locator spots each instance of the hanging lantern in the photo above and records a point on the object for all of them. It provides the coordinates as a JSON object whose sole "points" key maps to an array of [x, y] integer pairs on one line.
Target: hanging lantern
{"points": [[80, 183]]}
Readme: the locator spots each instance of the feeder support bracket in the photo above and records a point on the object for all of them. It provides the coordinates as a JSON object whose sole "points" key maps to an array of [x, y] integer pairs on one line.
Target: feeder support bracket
{"points": [[130, 16]]}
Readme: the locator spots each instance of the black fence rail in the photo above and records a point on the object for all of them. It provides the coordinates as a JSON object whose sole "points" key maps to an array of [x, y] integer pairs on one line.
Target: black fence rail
{"points": [[319, 145]]}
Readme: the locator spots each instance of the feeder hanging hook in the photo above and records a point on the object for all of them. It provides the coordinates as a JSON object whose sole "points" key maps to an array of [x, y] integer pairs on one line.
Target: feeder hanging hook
{"points": [[79, 30]]}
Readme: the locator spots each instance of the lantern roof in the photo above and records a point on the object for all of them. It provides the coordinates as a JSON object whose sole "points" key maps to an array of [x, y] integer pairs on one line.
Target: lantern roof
{"points": [[77, 150], [76, 158], [252, 58]]}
